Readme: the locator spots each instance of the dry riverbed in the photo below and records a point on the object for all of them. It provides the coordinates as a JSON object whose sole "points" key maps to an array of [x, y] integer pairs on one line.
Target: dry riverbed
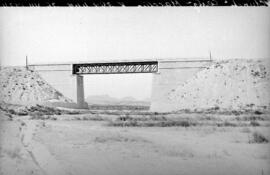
{"points": [[80, 146]]}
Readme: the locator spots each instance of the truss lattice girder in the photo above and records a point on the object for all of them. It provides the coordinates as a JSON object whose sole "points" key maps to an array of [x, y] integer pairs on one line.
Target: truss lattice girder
{"points": [[116, 68]]}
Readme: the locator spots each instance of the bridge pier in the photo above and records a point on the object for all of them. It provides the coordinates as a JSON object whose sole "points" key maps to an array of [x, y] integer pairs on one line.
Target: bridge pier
{"points": [[60, 77], [80, 92]]}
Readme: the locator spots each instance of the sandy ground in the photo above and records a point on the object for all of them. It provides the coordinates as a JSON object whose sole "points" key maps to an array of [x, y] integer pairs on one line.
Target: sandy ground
{"points": [[90, 147], [15, 158], [22, 86], [228, 84]]}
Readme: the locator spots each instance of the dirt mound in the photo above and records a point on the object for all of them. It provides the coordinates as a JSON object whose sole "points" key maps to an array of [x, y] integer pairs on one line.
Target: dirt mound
{"points": [[232, 84], [21, 86]]}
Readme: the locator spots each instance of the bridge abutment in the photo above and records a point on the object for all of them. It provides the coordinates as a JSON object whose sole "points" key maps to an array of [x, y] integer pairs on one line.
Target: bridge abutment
{"points": [[172, 74]]}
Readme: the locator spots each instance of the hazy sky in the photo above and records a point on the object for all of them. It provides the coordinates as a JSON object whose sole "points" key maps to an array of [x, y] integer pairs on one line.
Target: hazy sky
{"points": [[85, 34]]}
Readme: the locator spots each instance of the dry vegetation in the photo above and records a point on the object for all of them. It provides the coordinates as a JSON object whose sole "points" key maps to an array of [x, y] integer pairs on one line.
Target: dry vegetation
{"points": [[258, 137], [75, 137], [138, 118], [134, 118]]}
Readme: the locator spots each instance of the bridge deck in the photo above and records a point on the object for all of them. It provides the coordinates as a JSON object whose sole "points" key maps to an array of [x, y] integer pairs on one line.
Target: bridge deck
{"points": [[120, 66], [115, 67]]}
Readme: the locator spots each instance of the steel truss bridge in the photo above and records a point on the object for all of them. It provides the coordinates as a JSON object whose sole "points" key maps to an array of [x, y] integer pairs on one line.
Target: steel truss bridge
{"points": [[116, 67]]}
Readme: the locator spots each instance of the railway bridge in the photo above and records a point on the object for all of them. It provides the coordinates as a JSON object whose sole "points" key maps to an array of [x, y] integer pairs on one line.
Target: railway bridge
{"points": [[67, 78]]}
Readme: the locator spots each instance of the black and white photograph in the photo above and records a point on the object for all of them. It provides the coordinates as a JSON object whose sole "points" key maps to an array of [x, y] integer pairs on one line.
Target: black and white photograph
{"points": [[135, 90]]}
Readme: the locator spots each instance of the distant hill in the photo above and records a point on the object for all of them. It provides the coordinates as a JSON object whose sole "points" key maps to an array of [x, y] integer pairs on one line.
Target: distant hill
{"points": [[101, 99], [108, 100], [128, 99]]}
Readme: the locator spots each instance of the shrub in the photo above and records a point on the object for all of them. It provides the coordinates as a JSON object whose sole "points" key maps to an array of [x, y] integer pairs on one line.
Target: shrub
{"points": [[255, 118], [125, 118], [238, 118], [23, 123], [151, 123], [258, 112], [252, 118], [22, 113], [123, 123], [11, 111], [257, 137], [216, 108], [71, 112], [10, 117], [39, 117], [230, 124], [44, 110], [187, 111], [53, 118], [94, 118], [234, 112], [157, 118], [254, 123], [226, 123], [181, 123]]}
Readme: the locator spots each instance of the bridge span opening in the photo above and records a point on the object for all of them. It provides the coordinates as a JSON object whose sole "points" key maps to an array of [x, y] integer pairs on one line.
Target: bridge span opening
{"points": [[118, 91]]}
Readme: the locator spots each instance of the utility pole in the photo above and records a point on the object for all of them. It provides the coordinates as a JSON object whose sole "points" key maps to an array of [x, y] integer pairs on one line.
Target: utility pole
{"points": [[210, 55]]}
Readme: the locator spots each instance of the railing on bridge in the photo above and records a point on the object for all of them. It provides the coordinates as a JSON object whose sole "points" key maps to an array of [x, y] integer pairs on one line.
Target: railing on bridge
{"points": [[116, 67]]}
